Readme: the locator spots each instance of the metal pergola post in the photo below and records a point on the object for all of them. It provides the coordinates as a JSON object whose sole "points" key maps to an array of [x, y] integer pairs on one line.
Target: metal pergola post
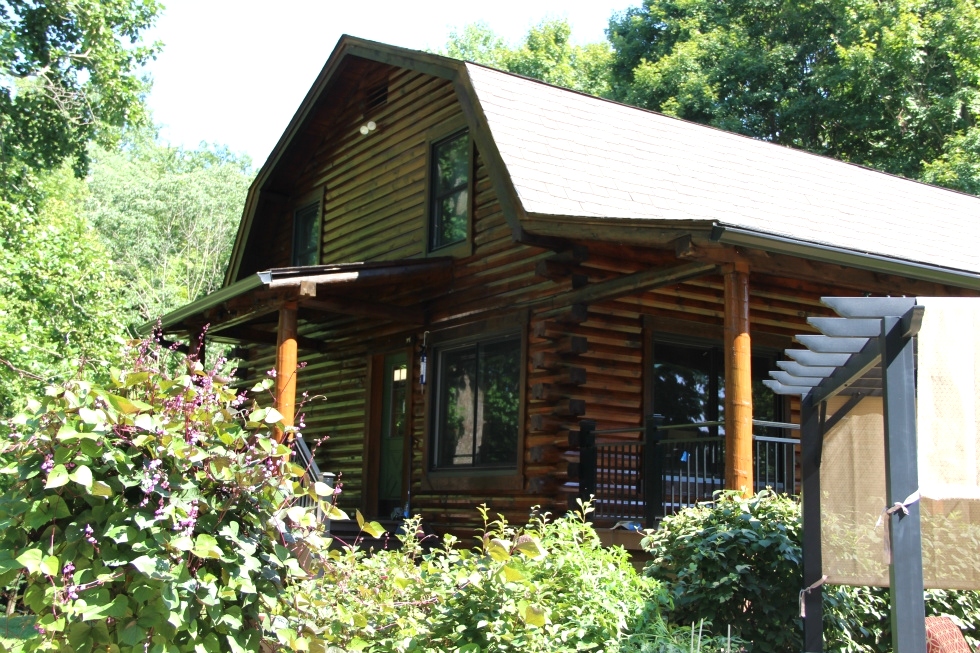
{"points": [[902, 479], [811, 436]]}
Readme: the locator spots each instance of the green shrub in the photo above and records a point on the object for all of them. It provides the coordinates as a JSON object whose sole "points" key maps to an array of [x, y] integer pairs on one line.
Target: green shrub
{"points": [[734, 562], [738, 562], [150, 515], [549, 586]]}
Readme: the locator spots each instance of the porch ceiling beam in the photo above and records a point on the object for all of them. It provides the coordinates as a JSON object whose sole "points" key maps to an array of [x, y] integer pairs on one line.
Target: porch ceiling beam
{"points": [[259, 336], [638, 281], [359, 308]]}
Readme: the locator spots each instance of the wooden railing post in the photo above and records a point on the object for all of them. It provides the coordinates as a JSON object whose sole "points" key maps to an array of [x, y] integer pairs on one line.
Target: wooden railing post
{"points": [[286, 367], [588, 460], [738, 381], [653, 474]]}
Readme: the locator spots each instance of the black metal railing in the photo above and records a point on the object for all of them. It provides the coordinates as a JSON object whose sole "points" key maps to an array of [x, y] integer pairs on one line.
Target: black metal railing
{"points": [[685, 469]]}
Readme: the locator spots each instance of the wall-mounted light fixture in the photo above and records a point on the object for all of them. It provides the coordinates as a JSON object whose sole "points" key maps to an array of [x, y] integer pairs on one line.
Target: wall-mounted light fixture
{"points": [[369, 127]]}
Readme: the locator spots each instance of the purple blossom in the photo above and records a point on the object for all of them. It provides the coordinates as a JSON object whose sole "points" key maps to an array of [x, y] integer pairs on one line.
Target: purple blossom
{"points": [[186, 526]]}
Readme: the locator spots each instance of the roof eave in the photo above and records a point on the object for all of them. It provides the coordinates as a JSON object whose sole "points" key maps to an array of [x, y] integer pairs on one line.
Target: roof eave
{"points": [[201, 305], [740, 237]]}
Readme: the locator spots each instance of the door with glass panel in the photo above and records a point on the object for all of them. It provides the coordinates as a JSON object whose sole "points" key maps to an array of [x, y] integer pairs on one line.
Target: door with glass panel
{"points": [[394, 430]]}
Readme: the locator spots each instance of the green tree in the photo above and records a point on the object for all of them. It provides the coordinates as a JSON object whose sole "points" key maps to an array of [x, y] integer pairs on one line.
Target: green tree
{"points": [[168, 218], [546, 53], [891, 85], [69, 75], [69, 71], [58, 291]]}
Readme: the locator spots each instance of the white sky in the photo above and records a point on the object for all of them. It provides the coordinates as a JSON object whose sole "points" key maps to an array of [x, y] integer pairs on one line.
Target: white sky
{"points": [[233, 72]]}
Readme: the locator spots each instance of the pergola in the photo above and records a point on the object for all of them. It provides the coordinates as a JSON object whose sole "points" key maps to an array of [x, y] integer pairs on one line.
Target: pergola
{"points": [[868, 351]]}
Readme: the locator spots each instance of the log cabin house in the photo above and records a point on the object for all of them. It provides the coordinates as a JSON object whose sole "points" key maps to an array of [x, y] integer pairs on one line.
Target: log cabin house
{"points": [[492, 285]]}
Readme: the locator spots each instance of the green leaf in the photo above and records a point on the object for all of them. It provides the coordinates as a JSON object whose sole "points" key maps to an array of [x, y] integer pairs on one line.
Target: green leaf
{"points": [[90, 416], [182, 543], [100, 489], [50, 566], [205, 546], [534, 616], [331, 511], [153, 567], [273, 416], [499, 550], [82, 475], [532, 548], [127, 406], [145, 422], [57, 477], [296, 513], [374, 529], [511, 573], [322, 489], [31, 560]]}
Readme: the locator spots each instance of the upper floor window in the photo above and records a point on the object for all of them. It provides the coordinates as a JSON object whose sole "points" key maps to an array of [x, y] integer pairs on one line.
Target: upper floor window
{"points": [[449, 215], [306, 235], [478, 396]]}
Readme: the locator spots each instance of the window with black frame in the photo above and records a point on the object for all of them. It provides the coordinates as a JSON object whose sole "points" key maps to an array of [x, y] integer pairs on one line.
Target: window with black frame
{"points": [[449, 216], [306, 232], [477, 411], [689, 387]]}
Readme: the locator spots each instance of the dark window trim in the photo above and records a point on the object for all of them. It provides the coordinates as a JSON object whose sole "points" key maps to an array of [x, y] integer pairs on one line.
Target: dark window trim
{"points": [[434, 138], [303, 204], [474, 478]]}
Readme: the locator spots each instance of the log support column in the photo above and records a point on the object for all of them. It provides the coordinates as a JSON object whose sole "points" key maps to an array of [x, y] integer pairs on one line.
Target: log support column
{"points": [[286, 367], [738, 381]]}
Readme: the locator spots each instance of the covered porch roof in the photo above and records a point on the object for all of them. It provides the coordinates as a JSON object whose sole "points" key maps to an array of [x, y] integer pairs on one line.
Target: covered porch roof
{"points": [[247, 309]]}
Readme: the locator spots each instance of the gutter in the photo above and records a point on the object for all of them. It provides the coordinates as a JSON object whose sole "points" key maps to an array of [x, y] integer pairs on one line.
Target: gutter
{"points": [[836, 255]]}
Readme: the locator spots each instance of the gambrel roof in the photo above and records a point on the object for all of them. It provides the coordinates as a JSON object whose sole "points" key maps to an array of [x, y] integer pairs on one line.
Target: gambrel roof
{"points": [[568, 164]]}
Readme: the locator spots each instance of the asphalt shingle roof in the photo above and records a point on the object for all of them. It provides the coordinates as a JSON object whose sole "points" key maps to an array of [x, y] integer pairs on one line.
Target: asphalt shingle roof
{"points": [[576, 156]]}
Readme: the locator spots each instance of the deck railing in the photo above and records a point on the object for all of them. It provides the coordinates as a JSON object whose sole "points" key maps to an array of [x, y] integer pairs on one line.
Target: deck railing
{"points": [[684, 469]]}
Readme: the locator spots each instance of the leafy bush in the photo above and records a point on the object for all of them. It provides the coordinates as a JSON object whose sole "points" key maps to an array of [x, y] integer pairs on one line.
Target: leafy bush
{"points": [[735, 562], [150, 515], [549, 586], [738, 561]]}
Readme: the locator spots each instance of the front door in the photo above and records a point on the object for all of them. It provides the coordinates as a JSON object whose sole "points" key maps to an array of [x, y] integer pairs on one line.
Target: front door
{"points": [[394, 429]]}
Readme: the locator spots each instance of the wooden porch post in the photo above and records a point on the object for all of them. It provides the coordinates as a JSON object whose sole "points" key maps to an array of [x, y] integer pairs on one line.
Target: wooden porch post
{"points": [[286, 366], [738, 381]]}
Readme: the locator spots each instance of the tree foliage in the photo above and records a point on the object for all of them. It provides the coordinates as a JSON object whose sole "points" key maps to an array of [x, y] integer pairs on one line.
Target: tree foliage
{"points": [[546, 53], [69, 76], [893, 85], [168, 217], [58, 291]]}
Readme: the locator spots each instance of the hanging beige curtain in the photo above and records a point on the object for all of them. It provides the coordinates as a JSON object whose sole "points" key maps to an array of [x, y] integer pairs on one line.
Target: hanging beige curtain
{"points": [[852, 476]]}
